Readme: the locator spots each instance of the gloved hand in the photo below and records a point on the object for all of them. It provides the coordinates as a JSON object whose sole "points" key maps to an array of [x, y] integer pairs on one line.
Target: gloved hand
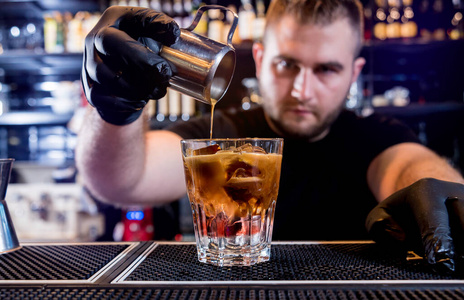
{"points": [[428, 214], [122, 68]]}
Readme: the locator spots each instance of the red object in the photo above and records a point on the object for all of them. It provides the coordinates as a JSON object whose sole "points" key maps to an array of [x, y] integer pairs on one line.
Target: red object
{"points": [[138, 224]]}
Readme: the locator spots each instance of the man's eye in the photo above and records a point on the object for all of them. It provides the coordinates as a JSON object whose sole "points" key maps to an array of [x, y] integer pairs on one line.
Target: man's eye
{"points": [[286, 66], [326, 69]]}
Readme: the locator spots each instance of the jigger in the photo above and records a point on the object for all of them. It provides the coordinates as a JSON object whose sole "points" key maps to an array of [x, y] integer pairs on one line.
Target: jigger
{"points": [[203, 68], [8, 239]]}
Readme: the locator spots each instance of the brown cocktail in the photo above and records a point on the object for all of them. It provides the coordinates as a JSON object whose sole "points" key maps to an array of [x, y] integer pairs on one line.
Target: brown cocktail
{"points": [[232, 186]]}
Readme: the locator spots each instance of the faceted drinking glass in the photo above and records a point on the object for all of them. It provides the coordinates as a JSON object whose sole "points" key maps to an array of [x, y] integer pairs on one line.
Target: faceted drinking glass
{"points": [[232, 187]]}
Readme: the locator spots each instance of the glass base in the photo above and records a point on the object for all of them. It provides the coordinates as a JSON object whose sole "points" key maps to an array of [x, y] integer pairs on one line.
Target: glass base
{"points": [[228, 257]]}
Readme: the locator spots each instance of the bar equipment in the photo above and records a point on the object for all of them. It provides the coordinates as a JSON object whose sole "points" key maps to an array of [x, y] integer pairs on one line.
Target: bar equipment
{"points": [[203, 68], [8, 239]]}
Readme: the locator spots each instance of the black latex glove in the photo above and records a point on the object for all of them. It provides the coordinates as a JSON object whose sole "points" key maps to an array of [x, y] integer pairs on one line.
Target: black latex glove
{"points": [[428, 215], [122, 68]]}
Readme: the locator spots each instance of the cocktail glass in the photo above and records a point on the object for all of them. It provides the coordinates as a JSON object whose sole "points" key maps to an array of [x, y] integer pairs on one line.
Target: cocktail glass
{"points": [[232, 187]]}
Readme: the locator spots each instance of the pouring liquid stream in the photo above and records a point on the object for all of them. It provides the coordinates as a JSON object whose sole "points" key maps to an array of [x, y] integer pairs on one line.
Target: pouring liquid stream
{"points": [[213, 104]]}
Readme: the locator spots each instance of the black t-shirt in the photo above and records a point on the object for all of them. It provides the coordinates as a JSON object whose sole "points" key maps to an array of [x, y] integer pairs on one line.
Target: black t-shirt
{"points": [[323, 191]]}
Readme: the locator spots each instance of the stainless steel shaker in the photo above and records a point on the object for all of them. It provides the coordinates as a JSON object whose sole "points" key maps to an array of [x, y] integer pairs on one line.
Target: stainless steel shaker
{"points": [[202, 68]]}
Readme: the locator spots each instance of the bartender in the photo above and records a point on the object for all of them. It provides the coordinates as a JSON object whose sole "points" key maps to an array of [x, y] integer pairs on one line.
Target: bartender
{"points": [[344, 177]]}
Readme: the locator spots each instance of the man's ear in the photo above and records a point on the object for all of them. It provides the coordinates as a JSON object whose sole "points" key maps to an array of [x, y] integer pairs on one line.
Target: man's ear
{"points": [[358, 65], [258, 52]]}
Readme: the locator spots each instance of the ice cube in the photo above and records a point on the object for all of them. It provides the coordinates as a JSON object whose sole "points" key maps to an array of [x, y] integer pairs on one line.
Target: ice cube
{"points": [[248, 148], [257, 149], [211, 149], [243, 182], [236, 167]]}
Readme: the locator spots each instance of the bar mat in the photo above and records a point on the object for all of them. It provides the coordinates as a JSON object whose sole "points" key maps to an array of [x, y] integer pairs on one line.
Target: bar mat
{"points": [[344, 261], [230, 293], [57, 262]]}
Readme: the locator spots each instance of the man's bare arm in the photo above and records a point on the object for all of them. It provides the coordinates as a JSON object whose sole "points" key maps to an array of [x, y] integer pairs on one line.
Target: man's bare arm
{"points": [[129, 164], [403, 164]]}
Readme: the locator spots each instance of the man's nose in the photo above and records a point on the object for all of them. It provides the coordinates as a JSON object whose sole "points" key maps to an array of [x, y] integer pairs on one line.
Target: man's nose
{"points": [[303, 85]]}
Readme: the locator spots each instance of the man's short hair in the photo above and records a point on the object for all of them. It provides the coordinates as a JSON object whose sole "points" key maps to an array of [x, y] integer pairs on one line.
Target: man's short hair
{"points": [[319, 12]]}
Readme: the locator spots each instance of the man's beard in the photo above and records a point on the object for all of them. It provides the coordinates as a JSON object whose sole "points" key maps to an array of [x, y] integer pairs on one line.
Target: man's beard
{"points": [[311, 134]]}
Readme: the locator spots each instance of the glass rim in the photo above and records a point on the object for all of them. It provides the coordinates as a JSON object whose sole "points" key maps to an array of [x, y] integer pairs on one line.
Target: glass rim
{"points": [[6, 159], [231, 139]]}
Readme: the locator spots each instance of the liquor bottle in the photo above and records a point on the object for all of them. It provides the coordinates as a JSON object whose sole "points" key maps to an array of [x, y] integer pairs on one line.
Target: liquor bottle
{"points": [[216, 25], [425, 21], [174, 105], [188, 107], [393, 28], [409, 27], [75, 36], [380, 19], [439, 18], [155, 5], [60, 32], [50, 33], [368, 21], [260, 21], [178, 12], [144, 3], [166, 6], [456, 30], [246, 17], [163, 109], [151, 109], [187, 19]]}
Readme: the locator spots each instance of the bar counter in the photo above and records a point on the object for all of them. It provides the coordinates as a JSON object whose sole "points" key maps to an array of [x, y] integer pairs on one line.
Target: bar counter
{"points": [[170, 270]]}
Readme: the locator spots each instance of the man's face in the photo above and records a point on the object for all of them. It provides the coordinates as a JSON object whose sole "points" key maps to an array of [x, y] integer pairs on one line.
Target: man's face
{"points": [[305, 72]]}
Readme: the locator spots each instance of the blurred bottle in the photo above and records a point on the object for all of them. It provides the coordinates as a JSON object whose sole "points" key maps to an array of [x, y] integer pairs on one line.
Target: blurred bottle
{"points": [[174, 105], [380, 20], [60, 32], [187, 15], [260, 20], [368, 20], [156, 5], [50, 33], [144, 3], [216, 25], [432, 19], [456, 30], [178, 12], [408, 24], [3, 40], [166, 7], [246, 17], [163, 110], [188, 107], [74, 35], [151, 109], [393, 29], [440, 20]]}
